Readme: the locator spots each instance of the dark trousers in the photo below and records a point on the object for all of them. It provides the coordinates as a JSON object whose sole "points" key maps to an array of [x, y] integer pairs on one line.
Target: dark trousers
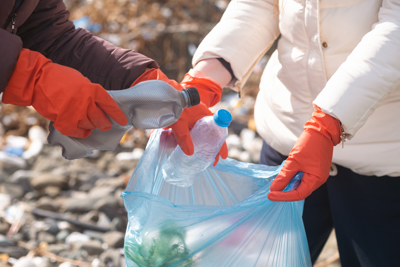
{"points": [[364, 210]]}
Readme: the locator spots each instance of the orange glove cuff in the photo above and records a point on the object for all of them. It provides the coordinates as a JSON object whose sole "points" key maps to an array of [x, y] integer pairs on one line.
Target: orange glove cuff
{"points": [[157, 74], [27, 72], [325, 124], [210, 91]]}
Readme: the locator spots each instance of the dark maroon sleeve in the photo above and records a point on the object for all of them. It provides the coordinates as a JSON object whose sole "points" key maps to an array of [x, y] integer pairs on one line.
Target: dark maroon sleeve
{"points": [[49, 31], [10, 47]]}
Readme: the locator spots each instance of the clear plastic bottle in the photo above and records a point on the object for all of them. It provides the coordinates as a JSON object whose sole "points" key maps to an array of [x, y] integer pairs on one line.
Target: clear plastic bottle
{"points": [[208, 135], [147, 105]]}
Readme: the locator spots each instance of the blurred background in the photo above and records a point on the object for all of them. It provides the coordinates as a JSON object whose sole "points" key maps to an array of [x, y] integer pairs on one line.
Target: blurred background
{"points": [[55, 212]]}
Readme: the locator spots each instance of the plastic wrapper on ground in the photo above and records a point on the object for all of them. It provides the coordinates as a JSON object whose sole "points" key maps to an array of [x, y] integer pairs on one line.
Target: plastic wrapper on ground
{"points": [[223, 219]]}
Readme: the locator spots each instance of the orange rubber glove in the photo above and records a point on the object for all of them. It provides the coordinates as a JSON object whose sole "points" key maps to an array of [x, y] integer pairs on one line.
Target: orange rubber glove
{"points": [[208, 91], [311, 154], [62, 95]]}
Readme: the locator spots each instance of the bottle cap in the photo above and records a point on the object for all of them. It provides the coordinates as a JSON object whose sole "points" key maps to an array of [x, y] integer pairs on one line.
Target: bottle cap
{"points": [[222, 118], [194, 96]]}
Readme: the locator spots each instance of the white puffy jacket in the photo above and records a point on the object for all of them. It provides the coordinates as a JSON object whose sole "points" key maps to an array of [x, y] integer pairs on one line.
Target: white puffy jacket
{"points": [[342, 55]]}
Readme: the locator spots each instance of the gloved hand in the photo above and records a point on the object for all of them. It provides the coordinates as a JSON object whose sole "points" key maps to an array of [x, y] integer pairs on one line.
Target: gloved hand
{"points": [[311, 154], [62, 95], [209, 92]]}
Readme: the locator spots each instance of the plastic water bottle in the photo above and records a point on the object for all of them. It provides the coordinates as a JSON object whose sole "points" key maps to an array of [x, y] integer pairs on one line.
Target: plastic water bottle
{"points": [[148, 105], [208, 135]]}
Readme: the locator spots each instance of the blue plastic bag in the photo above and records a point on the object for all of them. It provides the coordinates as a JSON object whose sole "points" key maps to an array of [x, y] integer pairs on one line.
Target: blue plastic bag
{"points": [[223, 219]]}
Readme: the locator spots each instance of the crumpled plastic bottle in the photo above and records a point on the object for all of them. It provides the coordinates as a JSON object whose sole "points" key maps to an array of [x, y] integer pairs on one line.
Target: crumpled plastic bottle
{"points": [[208, 135]]}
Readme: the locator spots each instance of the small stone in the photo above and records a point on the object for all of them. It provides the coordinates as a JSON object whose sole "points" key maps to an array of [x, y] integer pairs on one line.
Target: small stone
{"points": [[11, 164], [114, 239], [14, 190], [31, 232], [95, 235], [101, 191], [22, 178], [5, 201], [14, 251], [114, 182], [68, 254], [85, 187], [33, 243], [102, 163], [44, 163], [93, 247], [4, 227], [124, 156], [46, 237], [104, 221], [122, 261], [255, 157], [62, 235], [25, 262], [111, 257], [234, 153], [96, 263], [245, 156], [90, 217], [32, 196], [247, 137], [77, 205], [16, 237], [108, 205], [119, 224], [233, 141], [117, 195], [5, 242], [22, 175], [52, 191], [63, 225], [51, 227], [42, 262], [256, 145], [42, 180], [46, 203], [37, 133], [95, 155], [57, 248], [76, 237]]}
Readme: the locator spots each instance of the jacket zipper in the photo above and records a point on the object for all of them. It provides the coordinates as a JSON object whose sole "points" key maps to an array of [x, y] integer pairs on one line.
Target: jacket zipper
{"points": [[13, 22], [12, 16]]}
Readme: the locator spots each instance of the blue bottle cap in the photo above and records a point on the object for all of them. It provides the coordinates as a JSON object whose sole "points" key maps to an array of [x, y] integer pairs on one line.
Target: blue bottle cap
{"points": [[222, 118]]}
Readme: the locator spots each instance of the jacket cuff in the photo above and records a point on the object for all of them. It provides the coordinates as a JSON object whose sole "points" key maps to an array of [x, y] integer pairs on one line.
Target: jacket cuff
{"points": [[10, 47]]}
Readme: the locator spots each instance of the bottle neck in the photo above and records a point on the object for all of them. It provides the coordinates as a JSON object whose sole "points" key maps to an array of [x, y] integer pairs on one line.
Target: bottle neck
{"points": [[191, 97], [186, 98]]}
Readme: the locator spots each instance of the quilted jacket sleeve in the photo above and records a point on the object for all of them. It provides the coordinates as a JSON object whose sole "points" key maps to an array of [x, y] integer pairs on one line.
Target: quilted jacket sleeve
{"points": [[49, 31], [368, 76], [246, 31]]}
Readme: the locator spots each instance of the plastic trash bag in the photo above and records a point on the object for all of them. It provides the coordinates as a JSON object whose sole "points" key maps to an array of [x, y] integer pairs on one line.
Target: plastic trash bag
{"points": [[223, 219]]}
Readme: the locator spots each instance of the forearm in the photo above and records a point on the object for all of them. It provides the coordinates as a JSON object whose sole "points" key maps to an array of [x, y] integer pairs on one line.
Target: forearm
{"points": [[214, 69]]}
